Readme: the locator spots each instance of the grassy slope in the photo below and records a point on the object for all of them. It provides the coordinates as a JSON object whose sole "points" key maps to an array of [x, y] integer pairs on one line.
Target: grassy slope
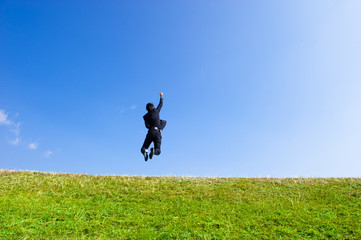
{"points": [[40, 205]]}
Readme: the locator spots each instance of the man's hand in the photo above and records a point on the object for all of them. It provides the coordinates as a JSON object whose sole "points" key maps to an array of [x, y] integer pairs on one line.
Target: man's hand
{"points": [[161, 94]]}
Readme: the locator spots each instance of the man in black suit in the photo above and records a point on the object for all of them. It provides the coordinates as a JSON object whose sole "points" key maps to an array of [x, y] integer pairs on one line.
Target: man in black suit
{"points": [[154, 125]]}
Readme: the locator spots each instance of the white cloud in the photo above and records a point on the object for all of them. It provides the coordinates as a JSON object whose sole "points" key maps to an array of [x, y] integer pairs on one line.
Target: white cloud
{"points": [[4, 118], [133, 107], [33, 146], [48, 153], [15, 142]]}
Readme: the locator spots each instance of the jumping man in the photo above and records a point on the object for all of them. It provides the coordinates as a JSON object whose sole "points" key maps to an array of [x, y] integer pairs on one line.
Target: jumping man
{"points": [[154, 125]]}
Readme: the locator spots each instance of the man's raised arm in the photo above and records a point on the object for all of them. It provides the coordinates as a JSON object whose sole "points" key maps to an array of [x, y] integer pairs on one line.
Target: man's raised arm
{"points": [[160, 105]]}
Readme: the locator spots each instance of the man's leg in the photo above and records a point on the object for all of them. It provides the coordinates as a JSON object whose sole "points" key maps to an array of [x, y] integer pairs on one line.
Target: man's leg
{"points": [[146, 144], [157, 142]]}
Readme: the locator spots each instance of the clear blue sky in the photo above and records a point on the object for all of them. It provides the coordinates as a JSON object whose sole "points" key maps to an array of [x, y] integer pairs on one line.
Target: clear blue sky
{"points": [[251, 88]]}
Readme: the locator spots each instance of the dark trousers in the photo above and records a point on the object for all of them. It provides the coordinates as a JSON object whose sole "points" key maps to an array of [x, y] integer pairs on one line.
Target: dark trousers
{"points": [[152, 136]]}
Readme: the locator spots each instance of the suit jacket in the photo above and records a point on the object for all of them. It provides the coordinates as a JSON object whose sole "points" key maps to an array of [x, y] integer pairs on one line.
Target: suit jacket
{"points": [[151, 119]]}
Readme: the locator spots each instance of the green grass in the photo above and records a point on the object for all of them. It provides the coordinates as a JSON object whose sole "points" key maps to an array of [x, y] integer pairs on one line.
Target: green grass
{"points": [[37, 205]]}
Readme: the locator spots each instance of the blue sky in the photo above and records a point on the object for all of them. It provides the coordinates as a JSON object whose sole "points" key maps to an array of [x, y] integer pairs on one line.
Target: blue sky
{"points": [[251, 88]]}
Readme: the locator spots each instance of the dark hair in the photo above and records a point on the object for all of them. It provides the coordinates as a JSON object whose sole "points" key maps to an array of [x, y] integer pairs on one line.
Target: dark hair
{"points": [[150, 107]]}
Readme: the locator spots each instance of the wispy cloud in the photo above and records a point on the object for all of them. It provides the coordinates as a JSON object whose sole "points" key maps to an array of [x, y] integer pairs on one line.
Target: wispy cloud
{"points": [[15, 142], [33, 146], [4, 118], [16, 129], [48, 153], [125, 109]]}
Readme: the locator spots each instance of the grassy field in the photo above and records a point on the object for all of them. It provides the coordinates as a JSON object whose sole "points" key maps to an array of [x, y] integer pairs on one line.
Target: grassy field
{"points": [[37, 205]]}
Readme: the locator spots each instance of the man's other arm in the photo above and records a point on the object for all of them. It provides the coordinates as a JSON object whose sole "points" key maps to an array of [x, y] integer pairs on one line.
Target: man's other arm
{"points": [[146, 123], [160, 105]]}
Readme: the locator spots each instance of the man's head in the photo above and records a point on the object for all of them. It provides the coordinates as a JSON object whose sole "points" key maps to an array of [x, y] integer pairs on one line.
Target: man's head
{"points": [[150, 107]]}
